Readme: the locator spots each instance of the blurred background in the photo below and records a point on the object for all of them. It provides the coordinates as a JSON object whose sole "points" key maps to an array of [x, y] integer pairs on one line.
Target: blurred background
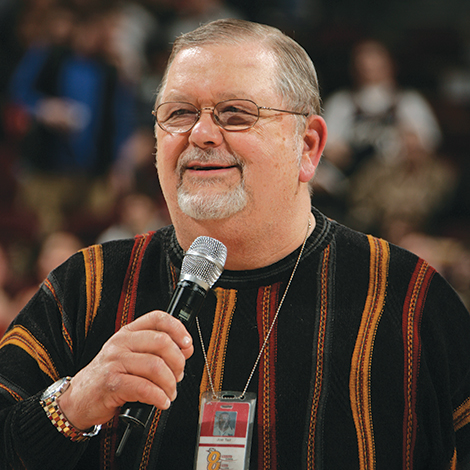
{"points": [[77, 85]]}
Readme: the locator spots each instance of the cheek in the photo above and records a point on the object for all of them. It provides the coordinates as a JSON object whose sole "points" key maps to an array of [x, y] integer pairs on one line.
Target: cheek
{"points": [[168, 150], [274, 175], [278, 154], [166, 161], [265, 145]]}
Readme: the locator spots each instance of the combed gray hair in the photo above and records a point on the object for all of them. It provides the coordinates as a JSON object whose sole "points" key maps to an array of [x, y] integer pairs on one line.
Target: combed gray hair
{"points": [[296, 80]]}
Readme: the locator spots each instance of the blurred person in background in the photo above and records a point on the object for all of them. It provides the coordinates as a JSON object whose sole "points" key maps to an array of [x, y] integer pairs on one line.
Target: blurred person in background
{"points": [[365, 121], [391, 198], [22, 22], [81, 115], [134, 27], [138, 214], [53, 251]]}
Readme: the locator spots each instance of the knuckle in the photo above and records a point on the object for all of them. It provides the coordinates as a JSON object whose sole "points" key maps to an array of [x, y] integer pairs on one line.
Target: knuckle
{"points": [[112, 349], [125, 329], [145, 391], [157, 365], [162, 338], [159, 316]]}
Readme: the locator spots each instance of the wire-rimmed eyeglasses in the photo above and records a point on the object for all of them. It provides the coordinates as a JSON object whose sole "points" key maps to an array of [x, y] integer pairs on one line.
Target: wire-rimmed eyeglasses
{"points": [[178, 117]]}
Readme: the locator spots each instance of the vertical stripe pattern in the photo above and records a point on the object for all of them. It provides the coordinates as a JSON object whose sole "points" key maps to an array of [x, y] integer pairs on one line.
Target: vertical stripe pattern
{"points": [[226, 301], [149, 440], [267, 302], [129, 291], [319, 358], [412, 314], [65, 333], [93, 258], [360, 378], [125, 315]]}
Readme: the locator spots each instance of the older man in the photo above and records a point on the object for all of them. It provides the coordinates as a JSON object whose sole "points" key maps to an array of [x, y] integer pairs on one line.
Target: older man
{"points": [[355, 352]]}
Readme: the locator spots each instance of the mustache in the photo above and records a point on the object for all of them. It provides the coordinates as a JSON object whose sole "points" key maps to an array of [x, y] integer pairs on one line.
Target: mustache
{"points": [[215, 157]]}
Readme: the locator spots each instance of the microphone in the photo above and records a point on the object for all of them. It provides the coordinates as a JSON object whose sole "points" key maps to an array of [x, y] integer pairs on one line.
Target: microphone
{"points": [[202, 265]]}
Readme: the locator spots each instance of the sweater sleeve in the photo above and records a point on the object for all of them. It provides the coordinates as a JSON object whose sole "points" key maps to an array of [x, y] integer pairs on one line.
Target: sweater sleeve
{"points": [[31, 441], [445, 359], [38, 349]]}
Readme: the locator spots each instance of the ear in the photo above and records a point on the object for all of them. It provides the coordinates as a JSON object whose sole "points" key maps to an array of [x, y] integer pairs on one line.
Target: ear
{"points": [[314, 142]]}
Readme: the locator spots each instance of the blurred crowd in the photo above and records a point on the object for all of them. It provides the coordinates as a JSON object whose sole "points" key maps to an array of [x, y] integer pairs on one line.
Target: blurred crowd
{"points": [[77, 85], [385, 170]]}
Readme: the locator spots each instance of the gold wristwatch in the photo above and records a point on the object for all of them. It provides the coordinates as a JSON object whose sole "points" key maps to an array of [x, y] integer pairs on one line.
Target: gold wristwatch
{"points": [[51, 407]]}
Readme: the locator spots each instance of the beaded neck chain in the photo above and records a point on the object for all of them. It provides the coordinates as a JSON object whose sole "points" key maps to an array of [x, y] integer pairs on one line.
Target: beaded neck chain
{"points": [[269, 331]]}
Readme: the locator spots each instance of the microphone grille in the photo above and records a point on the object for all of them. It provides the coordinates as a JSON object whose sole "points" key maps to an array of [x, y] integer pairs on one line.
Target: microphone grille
{"points": [[204, 262]]}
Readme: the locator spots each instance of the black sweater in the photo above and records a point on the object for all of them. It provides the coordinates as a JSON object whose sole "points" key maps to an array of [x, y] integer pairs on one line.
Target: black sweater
{"points": [[367, 366]]}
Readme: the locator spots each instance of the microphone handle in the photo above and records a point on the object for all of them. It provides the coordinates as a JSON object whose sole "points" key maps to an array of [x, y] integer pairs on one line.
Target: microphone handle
{"points": [[186, 301], [185, 304]]}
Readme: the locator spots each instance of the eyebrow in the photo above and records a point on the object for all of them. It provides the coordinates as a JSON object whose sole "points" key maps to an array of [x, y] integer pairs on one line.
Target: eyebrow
{"points": [[223, 97]]}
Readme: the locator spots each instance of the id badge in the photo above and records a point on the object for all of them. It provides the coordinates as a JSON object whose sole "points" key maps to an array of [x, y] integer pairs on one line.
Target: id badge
{"points": [[225, 431]]}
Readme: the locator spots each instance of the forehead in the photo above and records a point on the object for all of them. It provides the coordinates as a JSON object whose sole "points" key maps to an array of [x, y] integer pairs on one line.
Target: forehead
{"points": [[221, 72]]}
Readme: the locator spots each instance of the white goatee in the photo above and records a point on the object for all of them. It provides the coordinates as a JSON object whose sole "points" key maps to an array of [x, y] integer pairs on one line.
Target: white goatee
{"points": [[200, 205]]}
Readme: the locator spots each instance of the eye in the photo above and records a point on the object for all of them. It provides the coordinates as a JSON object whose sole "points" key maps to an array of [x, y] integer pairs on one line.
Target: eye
{"points": [[181, 112], [236, 108], [176, 112], [237, 113]]}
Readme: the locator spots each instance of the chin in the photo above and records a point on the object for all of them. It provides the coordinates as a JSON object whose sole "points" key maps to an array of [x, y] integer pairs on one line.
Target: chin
{"points": [[213, 206]]}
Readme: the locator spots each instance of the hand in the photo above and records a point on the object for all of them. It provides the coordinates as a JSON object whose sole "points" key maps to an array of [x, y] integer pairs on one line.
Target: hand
{"points": [[142, 362], [63, 115]]}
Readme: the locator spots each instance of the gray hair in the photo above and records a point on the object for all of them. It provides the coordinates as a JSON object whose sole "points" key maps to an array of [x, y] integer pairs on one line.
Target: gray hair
{"points": [[296, 79]]}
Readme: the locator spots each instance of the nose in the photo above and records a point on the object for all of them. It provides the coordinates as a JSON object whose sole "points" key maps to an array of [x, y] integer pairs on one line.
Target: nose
{"points": [[206, 133]]}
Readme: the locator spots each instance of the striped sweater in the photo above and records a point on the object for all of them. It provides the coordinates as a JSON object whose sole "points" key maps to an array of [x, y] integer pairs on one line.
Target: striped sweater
{"points": [[367, 367]]}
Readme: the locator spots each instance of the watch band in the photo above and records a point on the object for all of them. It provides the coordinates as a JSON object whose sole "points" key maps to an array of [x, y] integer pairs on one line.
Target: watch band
{"points": [[59, 420]]}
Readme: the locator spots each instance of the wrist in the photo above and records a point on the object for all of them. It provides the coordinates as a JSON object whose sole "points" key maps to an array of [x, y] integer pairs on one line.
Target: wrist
{"points": [[50, 403]]}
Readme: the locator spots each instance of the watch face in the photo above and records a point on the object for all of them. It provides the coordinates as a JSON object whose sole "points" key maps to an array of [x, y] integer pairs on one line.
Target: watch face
{"points": [[57, 387]]}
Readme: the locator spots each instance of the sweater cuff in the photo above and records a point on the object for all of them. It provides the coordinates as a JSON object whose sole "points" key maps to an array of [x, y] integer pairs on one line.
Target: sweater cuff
{"points": [[37, 439]]}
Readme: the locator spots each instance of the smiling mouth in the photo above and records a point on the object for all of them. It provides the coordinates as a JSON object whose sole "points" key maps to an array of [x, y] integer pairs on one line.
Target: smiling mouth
{"points": [[197, 167]]}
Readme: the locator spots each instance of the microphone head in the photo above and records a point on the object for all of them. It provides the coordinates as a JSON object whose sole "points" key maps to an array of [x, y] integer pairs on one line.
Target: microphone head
{"points": [[204, 262]]}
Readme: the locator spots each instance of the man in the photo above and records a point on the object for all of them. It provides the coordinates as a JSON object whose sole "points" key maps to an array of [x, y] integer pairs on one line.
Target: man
{"points": [[364, 365], [223, 425]]}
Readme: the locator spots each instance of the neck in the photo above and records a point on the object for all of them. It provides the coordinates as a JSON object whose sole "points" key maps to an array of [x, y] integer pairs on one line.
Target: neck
{"points": [[262, 245]]}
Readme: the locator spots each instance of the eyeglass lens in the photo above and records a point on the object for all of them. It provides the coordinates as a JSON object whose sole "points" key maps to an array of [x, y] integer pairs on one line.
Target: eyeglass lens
{"points": [[232, 115]]}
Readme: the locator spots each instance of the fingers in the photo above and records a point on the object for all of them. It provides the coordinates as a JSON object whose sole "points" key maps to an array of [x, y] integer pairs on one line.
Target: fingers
{"points": [[154, 347], [142, 362], [161, 321], [148, 392], [152, 354]]}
